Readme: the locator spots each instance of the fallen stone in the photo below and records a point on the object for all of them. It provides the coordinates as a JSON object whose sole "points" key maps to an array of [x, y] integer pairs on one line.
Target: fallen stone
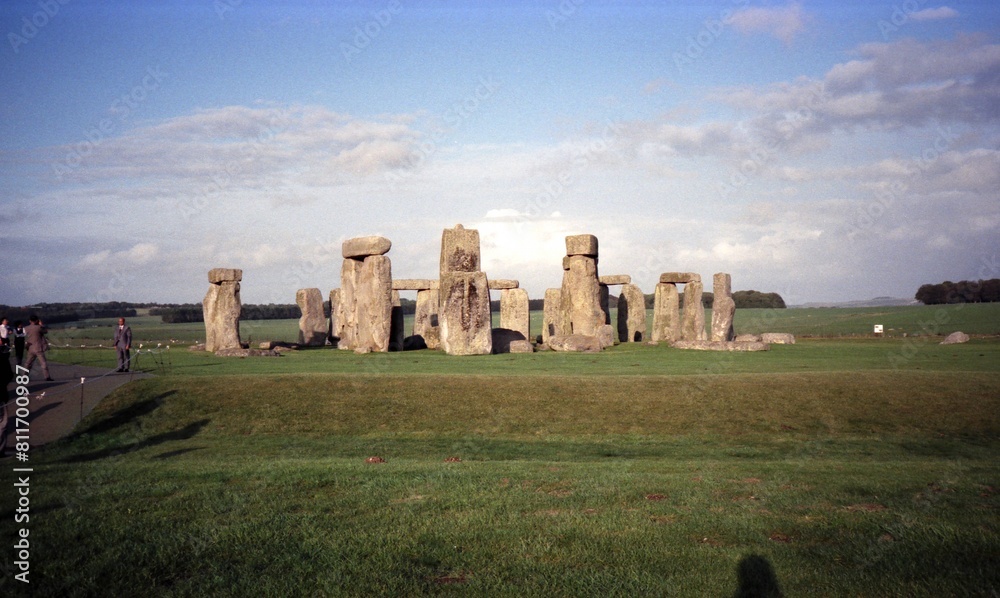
{"points": [[613, 279], [581, 245], [747, 338], [459, 250], [579, 343], [197, 347], [703, 345], [362, 247], [464, 314], [313, 328], [778, 338], [241, 352], [679, 277], [631, 314], [606, 334], [414, 284], [217, 275], [503, 337], [502, 284], [955, 338], [521, 347]]}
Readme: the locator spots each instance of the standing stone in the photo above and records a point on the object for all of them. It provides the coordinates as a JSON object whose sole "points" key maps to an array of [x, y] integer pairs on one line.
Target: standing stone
{"points": [[397, 333], [606, 335], [347, 313], [514, 312], [374, 304], [312, 323], [459, 250], [221, 308], [581, 295], [723, 308], [425, 319], [666, 313], [693, 319], [631, 314], [605, 292], [553, 322], [464, 316], [336, 318]]}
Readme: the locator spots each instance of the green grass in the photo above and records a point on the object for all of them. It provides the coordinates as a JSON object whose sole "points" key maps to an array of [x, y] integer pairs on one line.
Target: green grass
{"points": [[848, 467]]}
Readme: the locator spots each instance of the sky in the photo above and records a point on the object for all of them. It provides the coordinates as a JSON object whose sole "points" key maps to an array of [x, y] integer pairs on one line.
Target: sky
{"points": [[826, 151]]}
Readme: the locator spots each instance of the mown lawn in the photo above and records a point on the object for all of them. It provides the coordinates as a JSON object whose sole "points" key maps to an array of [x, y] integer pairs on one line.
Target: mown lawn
{"points": [[825, 468]]}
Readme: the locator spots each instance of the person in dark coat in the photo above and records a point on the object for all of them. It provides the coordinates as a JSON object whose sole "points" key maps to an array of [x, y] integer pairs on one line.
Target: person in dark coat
{"points": [[123, 344]]}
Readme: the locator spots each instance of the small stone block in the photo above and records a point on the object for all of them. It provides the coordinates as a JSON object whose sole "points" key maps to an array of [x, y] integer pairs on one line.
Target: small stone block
{"points": [[414, 284], [615, 279], [679, 277], [220, 275], [362, 247], [502, 284], [581, 245]]}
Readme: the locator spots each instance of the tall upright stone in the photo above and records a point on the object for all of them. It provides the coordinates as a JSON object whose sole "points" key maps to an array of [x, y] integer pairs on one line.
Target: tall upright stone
{"points": [[464, 314], [336, 318], [312, 323], [723, 308], [693, 318], [631, 314], [666, 313], [365, 314], [581, 290], [514, 311], [555, 321], [425, 319], [605, 294], [222, 308], [397, 332]]}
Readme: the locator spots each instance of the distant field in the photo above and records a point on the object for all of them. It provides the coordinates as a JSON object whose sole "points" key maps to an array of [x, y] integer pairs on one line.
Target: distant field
{"points": [[974, 318]]}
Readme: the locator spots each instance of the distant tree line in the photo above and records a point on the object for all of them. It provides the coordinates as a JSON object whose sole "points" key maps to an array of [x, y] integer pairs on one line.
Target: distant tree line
{"points": [[964, 291], [193, 312], [58, 313]]}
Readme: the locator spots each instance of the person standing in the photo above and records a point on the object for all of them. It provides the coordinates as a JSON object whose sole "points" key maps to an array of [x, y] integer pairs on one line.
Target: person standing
{"points": [[19, 341], [36, 344], [123, 344], [5, 333]]}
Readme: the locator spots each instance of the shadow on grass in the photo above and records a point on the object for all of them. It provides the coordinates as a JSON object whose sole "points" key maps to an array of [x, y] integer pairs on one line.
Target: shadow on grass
{"points": [[185, 433], [177, 453], [756, 578], [126, 415]]}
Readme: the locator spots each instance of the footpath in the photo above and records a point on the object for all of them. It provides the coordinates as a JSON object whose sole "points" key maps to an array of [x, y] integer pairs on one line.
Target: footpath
{"points": [[58, 406]]}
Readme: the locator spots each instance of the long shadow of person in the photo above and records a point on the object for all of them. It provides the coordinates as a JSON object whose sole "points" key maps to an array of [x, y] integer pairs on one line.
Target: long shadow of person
{"points": [[756, 578]]}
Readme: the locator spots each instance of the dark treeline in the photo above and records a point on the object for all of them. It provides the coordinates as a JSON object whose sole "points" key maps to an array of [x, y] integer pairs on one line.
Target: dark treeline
{"points": [[192, 312], [743, 300], [963, 291], [57, 313]]}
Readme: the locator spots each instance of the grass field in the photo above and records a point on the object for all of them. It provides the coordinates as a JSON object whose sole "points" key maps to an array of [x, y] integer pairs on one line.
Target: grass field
{"points": [[833, 467]]}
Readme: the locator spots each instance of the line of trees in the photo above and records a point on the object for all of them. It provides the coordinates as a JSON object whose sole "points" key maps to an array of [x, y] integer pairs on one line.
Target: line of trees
{"points": [[58, 313], [963, 291]]}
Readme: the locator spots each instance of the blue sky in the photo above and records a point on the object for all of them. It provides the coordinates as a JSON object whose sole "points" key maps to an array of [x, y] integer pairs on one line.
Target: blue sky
{"points": [[826, 151]]}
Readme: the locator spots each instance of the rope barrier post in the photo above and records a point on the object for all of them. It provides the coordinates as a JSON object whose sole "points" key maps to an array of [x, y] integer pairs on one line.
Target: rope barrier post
{"points": [[82, 381]]}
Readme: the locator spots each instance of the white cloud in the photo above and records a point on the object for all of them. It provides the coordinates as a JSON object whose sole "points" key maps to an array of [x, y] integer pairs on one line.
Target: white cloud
{"points": [[934, 14], [784, 22]]}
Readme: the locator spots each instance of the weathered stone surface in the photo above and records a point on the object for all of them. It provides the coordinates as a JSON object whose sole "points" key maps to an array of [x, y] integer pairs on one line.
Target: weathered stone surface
{"points": [[612, 279], [459, 250], [581, 245], [631, 314], [241, 352], [581, 296], [312, 323], [365, 304], [693, 317], [514, 312], [221, 307], [217, 275], [747, 338], [723, 308], [680, 277], [778, 338], [336, 318], [396, 332], [580, 343], [503, 337], [703, 345], [362, 247], [502, 284], [554, 321], [606, 334], [464, 314], [666, 313], [565, 262], [955, 338], [414, 284], [521, 347], [425, 319]]}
